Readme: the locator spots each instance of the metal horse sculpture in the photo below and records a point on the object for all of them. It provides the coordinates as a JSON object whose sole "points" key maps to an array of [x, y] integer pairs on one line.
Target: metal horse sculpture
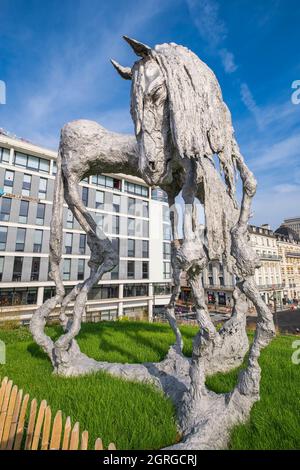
{"points": [[183, 134]]}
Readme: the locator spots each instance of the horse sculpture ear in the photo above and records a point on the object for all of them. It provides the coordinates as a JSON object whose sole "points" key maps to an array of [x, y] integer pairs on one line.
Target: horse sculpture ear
{"points": [[138, 47], [125, 72]]}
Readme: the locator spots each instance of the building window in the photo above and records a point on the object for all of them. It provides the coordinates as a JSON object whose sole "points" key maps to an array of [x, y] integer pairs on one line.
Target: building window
{"points": [[35, 269], [145, 253], [20, 240], [70, 219], [68, 243], [43, 188], [131, 227], [17, 269], [3, 238], [21, 296], [4, 155], [162, 289], [99, 219], [137, 189], [166, 232], [106, 182], [85, 195], [166, 250], [23, 214], [40, 214], [116, 203], [145, 209], [114, 273], [1, 267], [82, 243], [104, 292], [167, 270], [131, 248], [99, 200], [135, 290], [130, 269], [32, 163], [115, 244], [131, 205], [80, 272], [5, 209], [37, 241], [54, 168], [159, 195], [115, 224], [9, 181], [145, 270], [166, 214], [145, 228], [26, 186], [67, 269]]}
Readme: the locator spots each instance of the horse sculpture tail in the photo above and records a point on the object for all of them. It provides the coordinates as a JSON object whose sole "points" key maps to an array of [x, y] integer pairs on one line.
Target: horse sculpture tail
{"points": [[56, 229]]}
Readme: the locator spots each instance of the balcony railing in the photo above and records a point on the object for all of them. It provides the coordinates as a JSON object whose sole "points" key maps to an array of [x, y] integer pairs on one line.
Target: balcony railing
{"points": [[268, 256], [271, 286]]}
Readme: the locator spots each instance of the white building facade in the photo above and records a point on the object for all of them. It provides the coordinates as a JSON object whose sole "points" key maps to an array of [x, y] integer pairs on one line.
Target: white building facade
{"points": [[131, 214]]}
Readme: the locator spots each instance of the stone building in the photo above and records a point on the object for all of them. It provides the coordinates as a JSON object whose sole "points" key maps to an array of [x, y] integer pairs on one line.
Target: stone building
{"points": [[268, 276], [289, 250], [132, 215]]}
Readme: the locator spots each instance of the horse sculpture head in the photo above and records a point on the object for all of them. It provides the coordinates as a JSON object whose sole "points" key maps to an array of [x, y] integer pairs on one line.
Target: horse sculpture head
{"points": [[178, 111], [150, 113]]}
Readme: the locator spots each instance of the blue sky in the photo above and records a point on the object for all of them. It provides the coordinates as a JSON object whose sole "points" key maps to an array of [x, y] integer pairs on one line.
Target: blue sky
{"points": [[54, 58]]}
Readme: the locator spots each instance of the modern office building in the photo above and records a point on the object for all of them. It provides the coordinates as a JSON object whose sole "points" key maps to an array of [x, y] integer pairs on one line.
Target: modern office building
{"points": [[132, 215], [293, 224]]}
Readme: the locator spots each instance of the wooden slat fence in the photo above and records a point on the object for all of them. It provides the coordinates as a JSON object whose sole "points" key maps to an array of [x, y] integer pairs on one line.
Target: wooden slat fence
{"points": [[27, 425]]}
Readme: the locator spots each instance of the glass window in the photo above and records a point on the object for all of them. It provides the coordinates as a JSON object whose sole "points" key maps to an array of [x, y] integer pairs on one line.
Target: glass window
{"points": [[43, 188], [135, 290], [20, 159], [131, 227], [115, 224], [131, 206], [5, 209], [136, 189], [145, 270], [167, 270], [99, 219], [3, 238], [35, 269], [85, 195], [21, 296], [145, 253], [44, 165], [106, 181], [70, 219], [20, 240], [68, 243], [33, 163], [115, 244], [26, 186], [145, 209], [114, 273], [145, 228], [37, 241], [23, 214], [99, 200], [167, 232], [40, 213], [82, 243], [80, 272], [8, 181], [130, 269], [116, 203], [66, 269], [131, 248], [1, 269], [4, 155], [54, 168], [166, 250], [17, 269]]}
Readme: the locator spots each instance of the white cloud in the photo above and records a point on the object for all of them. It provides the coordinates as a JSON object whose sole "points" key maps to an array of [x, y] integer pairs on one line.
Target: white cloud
{"points": [[250, 103], [228, 61], [283, 152]]}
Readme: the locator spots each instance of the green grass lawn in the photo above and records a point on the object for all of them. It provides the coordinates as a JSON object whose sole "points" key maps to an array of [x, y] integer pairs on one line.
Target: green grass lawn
{"points": [[137, 416]]}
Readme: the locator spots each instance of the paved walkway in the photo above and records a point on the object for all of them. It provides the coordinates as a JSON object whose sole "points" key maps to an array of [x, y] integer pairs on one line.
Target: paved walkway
{"points": [[288, 321]]}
